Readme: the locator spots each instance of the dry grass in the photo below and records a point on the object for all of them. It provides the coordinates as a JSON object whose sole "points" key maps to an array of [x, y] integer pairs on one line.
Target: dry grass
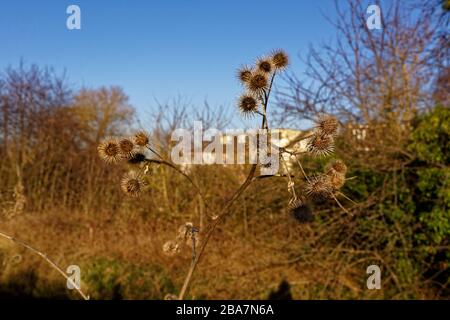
{"points": [[248, 257], [66, 203]]}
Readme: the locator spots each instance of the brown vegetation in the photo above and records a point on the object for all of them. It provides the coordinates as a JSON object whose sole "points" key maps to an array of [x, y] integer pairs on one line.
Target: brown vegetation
{"points": [[58, 195]]}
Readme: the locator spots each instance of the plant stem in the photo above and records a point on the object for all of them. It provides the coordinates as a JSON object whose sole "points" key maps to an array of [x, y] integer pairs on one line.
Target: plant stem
{"points": [[291, 183], [44, 256], [224, 212], [153, 150], [301, 168]]}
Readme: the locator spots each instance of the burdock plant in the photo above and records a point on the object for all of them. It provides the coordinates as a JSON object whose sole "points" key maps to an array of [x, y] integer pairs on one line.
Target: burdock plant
{"points": [[257, 81]]}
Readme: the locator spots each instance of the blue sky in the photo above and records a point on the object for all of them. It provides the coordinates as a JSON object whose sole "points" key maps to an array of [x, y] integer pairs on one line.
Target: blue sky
{"points": [[160, 49]]}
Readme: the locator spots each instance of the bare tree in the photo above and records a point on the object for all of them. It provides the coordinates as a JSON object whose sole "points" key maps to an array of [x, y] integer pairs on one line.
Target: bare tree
{"points": [[374, 81], [181, 113]]}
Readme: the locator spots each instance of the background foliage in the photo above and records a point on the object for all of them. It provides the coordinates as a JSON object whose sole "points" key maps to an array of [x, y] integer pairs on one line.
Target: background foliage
{"points": [[56, 193]]}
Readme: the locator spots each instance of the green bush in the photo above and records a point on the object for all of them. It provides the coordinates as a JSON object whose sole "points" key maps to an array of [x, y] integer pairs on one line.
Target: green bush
{"points": [[116, 279], [416, 221]]}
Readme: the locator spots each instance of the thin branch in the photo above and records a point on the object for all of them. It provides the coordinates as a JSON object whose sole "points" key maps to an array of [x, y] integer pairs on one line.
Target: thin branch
{"points": [[340, 205], [301, 168], [153, 150], [291, 183], [342, 194], [224, 212], [212, 227], [174, 167], [50, 262], [271, 176]]}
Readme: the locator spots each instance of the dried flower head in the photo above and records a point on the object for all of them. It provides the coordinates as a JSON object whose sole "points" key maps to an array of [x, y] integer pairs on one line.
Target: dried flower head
{"points": [[132, 184], [171, 248], [280, 59], [109, 150], [127, 148], [318, 187], [141, 138], [258, 82], [183, 231], [337, 180], [187, 233], [320, 144], [244, 74], [265, 65], [301, 212], [336, 165], [137, 158], [247, 104], [327, 125]]}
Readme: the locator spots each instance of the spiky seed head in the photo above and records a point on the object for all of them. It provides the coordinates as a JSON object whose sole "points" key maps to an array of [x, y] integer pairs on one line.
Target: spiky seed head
{"points": [[141, 138], [127, 148], [336, 165], [109, 150], [258, 82], [337, 180], [137, 158], [335, 171], [302, 213], [320, 144], [171, 248], [280, 59], [318, 187], [132, 184], [248, 104], [244, 74], [294, 203], [265, 65], [327, 124]]}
